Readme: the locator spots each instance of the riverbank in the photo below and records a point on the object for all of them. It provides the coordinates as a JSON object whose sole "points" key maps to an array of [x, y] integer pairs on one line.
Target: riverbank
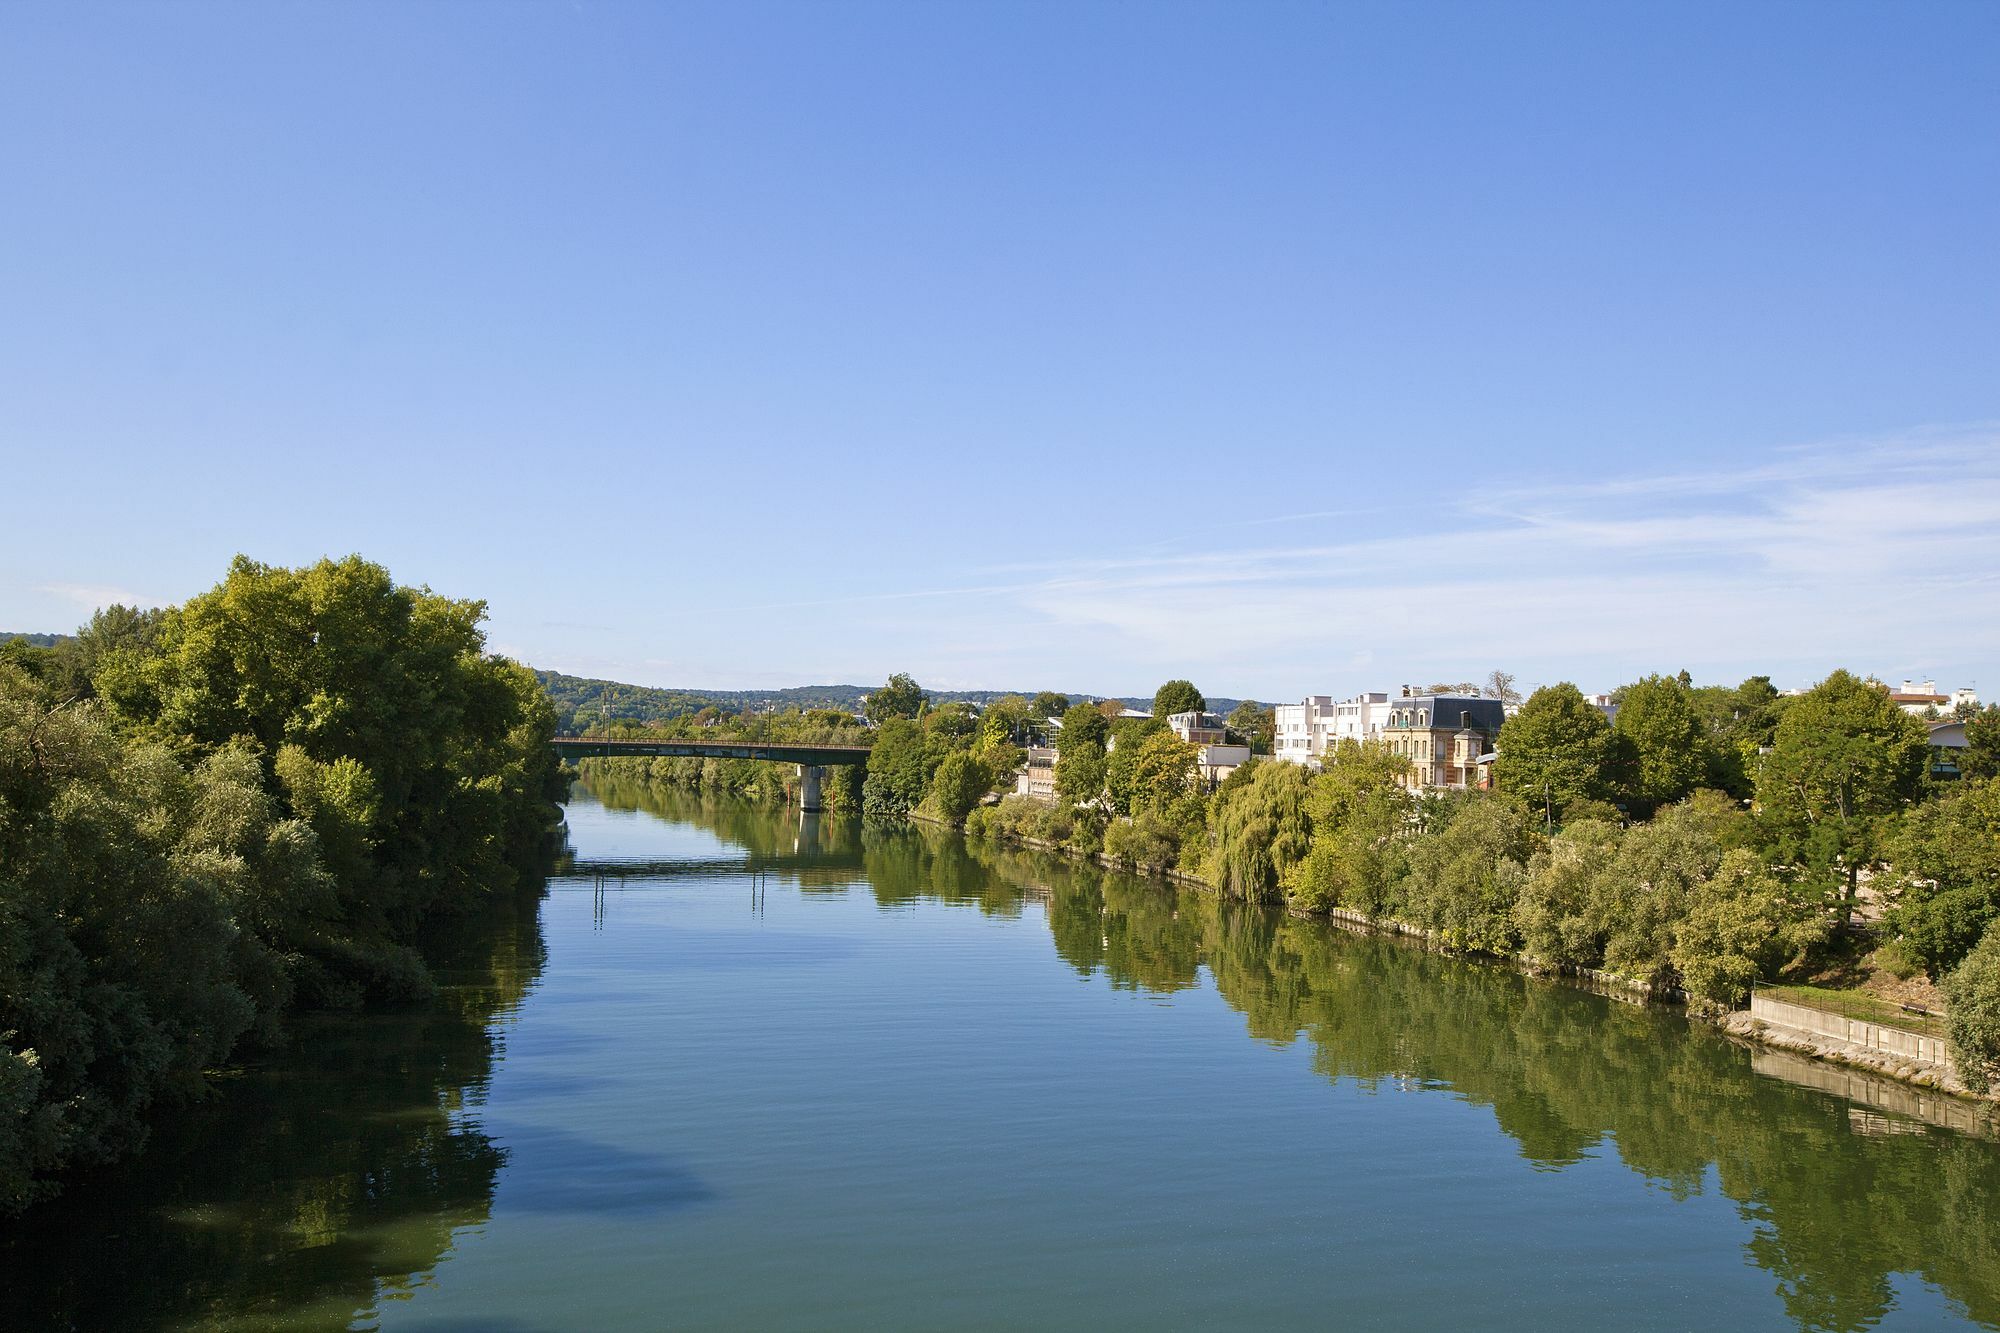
{"points": [[1738, 1023]]}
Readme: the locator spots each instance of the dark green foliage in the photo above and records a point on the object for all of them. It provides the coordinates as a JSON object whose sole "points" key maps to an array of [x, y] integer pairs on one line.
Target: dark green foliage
{"points": [[901, 697], [1255, 724], [1972, 1013], [1945, 880], [1557, 750], [1049, 704], [898, 770], [1980, 760], [1669, 748], [1176, 696], [294, 773], [958, 784], [1080, 756], [1843, 760]]}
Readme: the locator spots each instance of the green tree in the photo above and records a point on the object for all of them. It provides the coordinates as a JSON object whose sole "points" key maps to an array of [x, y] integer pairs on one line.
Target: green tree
{"points": [[1980, 759], [1049, 704], [1741, 923], [1843, 759], [1255, 723], [1464, 877], [1163, 771], [1642, 894], [960, 783], [1554, 914], [1669, 746], [1176, 696], [339, 661], [1557, 750], [1259, 829], [898, 769], [900, 697], [1080, 763], [1944, 877], [1359, 810], [1972, 1012]]}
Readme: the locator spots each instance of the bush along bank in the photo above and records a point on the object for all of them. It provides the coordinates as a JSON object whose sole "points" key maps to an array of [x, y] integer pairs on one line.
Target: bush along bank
{"points": [[1708, 839], [1603, 854], [217, 813]]}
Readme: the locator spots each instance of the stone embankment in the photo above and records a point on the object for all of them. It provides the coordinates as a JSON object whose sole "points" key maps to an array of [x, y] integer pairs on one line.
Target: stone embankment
{"points": [[1871, 1056]]}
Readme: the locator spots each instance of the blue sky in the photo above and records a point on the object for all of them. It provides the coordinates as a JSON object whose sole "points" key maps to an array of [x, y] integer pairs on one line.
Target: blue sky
{"points": [[1292, 348]]}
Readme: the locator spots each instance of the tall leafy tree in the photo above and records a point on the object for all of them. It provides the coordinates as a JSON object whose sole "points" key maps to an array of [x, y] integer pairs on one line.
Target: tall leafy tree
{"points": [[1670, 751], [1558, 750], [960, 782], [1050, 704], [899, 769], [1259, 829], [1980, 759], [1177, 696], [900, 697], [1844, 758], [1944, 858], [338, 662], [1080, 754]]}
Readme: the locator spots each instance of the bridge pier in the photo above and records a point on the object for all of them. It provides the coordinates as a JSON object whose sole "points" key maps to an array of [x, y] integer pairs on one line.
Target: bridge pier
{"points": [[809, 776]]}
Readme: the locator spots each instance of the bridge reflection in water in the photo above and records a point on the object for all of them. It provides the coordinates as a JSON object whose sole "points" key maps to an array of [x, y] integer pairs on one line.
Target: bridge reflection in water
{"points": [[812, 760]]}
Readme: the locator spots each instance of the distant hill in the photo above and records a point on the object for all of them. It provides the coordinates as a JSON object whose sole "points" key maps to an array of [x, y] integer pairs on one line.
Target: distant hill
{"points": [[583, 703], [39, 640]]}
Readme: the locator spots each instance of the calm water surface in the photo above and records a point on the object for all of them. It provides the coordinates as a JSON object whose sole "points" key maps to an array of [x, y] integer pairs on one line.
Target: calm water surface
{"points": [[748, 1072]]}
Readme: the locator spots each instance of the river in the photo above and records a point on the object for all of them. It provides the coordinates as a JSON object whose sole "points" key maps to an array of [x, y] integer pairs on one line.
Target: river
{"points": [[749, 1071]]}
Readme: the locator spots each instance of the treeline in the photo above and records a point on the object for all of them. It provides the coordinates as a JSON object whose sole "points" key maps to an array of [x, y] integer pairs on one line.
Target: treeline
{"points": [[213, 814], [587, 706], [1702, 841]]}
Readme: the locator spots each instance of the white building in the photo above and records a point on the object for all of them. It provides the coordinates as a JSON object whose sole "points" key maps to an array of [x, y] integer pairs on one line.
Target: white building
{"points": [[1216, 762], [1919, 697], [1304, 732]]}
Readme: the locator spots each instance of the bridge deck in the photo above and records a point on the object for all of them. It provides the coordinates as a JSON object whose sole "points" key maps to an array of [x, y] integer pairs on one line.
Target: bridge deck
{"points": [[813, 756]]}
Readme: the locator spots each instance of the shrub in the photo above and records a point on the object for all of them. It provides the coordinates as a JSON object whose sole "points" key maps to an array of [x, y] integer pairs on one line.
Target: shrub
{"points": [[1972, 1012]]}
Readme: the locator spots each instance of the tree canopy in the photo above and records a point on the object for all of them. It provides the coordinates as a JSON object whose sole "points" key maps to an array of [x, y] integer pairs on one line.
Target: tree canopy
{"points": [[1177, 696], [1558, 750], [900, 697], [1843, 758]]}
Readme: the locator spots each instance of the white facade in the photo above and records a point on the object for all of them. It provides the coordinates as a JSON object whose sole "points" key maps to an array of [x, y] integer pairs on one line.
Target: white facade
{"points": [[1305, 731], [1920, 698], [1298, 731], [1217, 762]]}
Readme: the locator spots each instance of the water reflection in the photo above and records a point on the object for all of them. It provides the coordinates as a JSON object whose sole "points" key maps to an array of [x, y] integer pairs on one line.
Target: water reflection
{"points": [[306, 1190], [1844, 1197], [351, 1164]]}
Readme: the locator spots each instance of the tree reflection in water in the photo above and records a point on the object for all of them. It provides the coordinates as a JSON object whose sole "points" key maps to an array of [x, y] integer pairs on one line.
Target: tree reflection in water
{"points": [[354, 1158], [307, 1189], [1839, 1210]]}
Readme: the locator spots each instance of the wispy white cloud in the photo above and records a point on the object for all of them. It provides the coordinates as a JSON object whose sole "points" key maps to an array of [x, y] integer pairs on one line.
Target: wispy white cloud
{"points": [[96, 596], [1870, 554]]}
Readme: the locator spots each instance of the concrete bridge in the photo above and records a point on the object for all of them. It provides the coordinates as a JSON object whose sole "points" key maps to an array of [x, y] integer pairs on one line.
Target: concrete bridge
{"points": [[812, 760]]}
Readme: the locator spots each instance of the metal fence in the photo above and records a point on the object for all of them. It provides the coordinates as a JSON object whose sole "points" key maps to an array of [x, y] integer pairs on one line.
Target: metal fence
{"points": [[1862, 1008]]}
